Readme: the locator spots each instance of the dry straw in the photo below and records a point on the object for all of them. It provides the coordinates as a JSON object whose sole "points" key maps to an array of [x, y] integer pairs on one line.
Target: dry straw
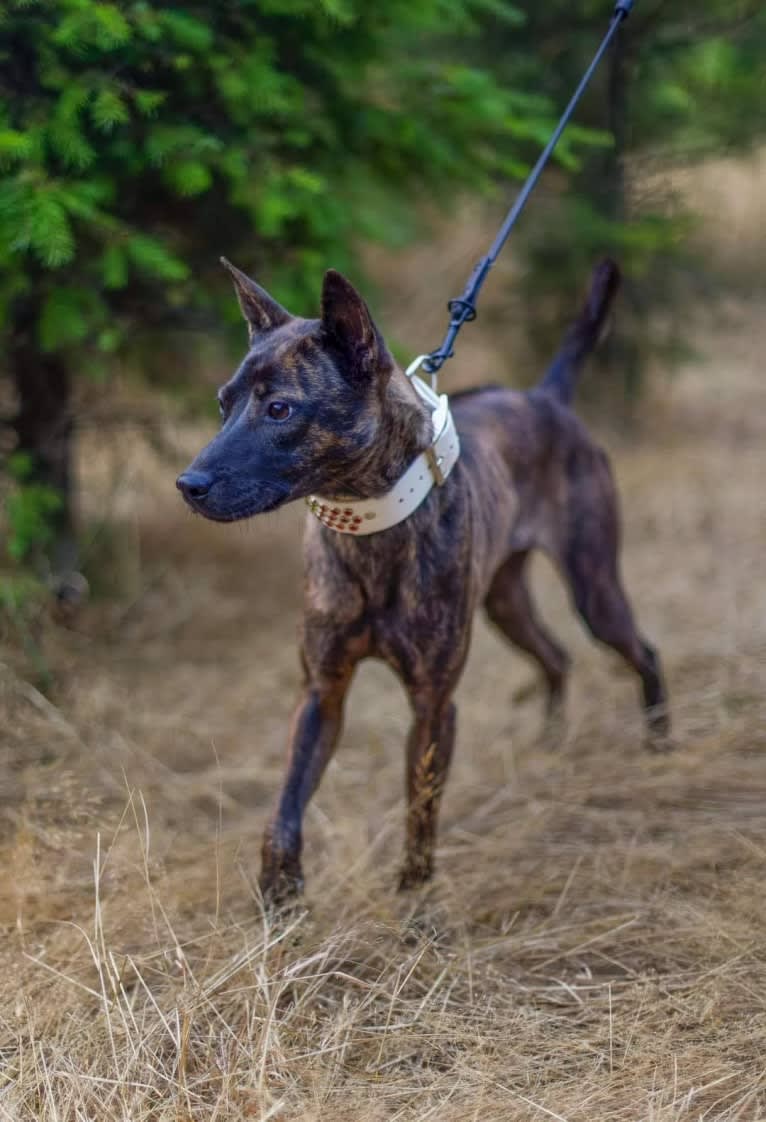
{"points": [[593, 947]]}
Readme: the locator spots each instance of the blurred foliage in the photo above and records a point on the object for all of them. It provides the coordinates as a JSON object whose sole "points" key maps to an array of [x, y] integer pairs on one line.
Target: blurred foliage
{"points": [[686, 81], [29, 508], [26, 526], [140, 140]]}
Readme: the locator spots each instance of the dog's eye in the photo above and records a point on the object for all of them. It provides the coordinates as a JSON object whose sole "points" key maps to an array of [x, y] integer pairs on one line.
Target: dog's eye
{"points": [[221, 408], [279, 410]]}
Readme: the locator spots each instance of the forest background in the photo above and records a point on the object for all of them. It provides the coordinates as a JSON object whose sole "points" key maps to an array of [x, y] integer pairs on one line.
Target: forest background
{"points": [[592, 944], [139, 142]]}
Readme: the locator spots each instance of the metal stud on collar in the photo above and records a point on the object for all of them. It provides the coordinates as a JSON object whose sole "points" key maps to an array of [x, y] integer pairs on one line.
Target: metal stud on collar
{"points": [[336, 517]]}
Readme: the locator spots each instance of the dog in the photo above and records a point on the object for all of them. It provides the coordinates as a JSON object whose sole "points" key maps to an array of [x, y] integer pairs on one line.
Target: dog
{"points": [[319, 407]]}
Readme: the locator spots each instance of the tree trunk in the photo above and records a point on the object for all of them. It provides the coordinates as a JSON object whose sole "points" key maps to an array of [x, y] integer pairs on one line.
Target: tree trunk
{"points": [[44, 428], [617, 118], [622, 350]]}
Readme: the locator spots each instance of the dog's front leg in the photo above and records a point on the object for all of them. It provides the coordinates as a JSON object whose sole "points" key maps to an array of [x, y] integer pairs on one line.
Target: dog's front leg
{"points": [[314, 733], [429, 751]]}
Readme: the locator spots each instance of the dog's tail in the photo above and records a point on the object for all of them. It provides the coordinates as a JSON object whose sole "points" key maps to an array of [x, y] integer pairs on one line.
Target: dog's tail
{"points": [[583, 335]]}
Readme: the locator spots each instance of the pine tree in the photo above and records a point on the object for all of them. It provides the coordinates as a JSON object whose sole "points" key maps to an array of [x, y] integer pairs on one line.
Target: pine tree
{"points": [[685, 81], [141, 140]]}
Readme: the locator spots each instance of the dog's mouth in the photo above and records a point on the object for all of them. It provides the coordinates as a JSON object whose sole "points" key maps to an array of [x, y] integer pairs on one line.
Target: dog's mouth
{"points": [[238, 515], [267, 498]]}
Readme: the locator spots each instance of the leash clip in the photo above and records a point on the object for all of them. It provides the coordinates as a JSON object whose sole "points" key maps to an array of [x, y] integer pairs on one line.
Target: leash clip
{"points": [[416, 364], [439, 406]]}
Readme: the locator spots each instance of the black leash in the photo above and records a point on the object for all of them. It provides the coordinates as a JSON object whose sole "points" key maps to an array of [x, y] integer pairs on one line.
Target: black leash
{"points": [[463, 309]]}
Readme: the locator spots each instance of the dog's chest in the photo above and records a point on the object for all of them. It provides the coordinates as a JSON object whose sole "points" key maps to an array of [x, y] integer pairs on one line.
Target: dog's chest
{"points": [[407, 590]]}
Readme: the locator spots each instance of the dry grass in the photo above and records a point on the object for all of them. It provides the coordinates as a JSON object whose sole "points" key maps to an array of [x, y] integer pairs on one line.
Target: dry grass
{"points": [[593, 946]]}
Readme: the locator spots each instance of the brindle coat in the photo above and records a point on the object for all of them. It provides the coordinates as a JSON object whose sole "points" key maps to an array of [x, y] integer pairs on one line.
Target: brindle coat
{"points": [[320, 406]]}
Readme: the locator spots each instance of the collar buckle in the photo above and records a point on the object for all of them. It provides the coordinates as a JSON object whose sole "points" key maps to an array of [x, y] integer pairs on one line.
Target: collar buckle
{"points": [[435, 464]]}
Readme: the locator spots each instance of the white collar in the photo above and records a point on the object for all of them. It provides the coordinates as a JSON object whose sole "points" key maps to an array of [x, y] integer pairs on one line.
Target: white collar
{"points": [[370, 516]]}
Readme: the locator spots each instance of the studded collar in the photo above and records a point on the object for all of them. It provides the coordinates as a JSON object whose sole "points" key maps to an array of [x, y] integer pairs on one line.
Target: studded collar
{"points": [[360, 517]]}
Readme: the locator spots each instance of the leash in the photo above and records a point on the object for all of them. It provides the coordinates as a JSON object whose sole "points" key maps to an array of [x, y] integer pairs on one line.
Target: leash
{"points": [[430, 469], [463, 308]]}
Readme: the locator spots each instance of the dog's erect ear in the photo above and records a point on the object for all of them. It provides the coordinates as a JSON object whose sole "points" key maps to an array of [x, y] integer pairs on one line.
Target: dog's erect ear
{"points": [[347, 322], [261, 311]]}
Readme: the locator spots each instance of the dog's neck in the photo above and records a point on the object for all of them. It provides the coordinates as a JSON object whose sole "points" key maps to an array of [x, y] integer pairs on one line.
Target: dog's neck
{"points": [[404, 431]]}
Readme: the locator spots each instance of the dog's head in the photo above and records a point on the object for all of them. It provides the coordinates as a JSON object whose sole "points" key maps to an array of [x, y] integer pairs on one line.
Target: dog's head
{"points": [[302, 412]]}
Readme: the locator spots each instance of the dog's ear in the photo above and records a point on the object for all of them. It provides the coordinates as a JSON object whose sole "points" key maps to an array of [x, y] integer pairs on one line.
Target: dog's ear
{"points": [[347, 323], [261, 311]]}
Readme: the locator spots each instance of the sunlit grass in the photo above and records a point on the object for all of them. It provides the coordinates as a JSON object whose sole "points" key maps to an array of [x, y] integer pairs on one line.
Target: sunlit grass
{"points": [[592, 947]]}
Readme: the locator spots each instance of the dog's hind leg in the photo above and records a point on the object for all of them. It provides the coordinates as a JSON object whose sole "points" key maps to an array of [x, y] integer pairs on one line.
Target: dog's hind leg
{"points": [[603, 605], [509, 607], [589, 558], [429, 751]]}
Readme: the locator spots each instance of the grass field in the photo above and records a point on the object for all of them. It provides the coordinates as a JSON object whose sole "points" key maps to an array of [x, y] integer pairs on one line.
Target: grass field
{"points": [[593, 945]]}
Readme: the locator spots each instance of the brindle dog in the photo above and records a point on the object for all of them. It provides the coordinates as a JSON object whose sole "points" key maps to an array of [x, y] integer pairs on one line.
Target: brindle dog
{"points": [[321, 406]]}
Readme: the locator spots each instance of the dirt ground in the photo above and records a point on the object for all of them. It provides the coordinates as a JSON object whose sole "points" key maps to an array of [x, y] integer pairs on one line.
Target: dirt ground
{"points": [[593, 945]]}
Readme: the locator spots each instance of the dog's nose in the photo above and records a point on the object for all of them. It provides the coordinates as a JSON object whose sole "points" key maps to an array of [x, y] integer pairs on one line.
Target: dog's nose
{"points": [[194, 484]]}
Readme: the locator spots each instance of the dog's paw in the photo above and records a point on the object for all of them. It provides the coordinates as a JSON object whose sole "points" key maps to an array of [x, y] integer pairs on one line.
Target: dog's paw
{"points": [[415, 873], [553, 733], [658, 736], [281, 892], [660, 743], [554, 729], [281, 881]]}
